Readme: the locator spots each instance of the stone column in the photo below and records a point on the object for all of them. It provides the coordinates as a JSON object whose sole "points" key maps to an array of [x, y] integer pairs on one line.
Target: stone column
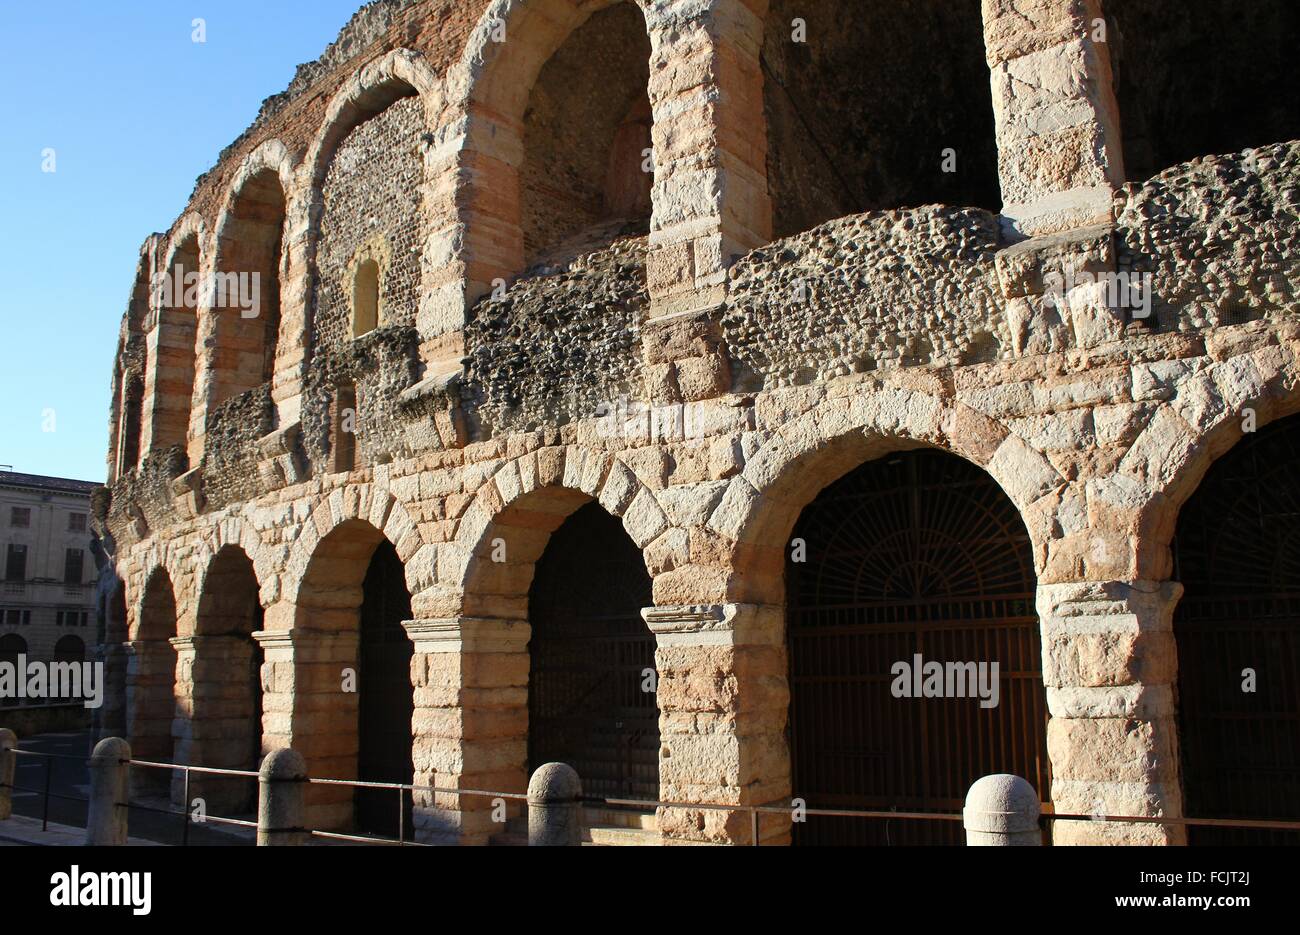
{"points": [[470, 725], [150, 708], [1109, 665], [307, 704], [215, 694], [723, 700], [710, 148], [112, 714], [1058, 132]]}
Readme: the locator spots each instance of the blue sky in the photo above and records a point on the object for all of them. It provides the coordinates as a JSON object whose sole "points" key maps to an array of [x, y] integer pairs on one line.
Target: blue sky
{"points": [[135, 111]]}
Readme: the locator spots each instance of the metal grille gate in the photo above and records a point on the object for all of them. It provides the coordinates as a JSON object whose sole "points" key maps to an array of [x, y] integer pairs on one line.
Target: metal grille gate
{"points": [[589, 652], [1237, 553], [386, 698], [919, 552]]}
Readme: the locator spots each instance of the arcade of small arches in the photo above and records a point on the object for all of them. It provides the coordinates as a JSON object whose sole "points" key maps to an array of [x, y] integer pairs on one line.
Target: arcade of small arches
{"points": [[528, 638]]}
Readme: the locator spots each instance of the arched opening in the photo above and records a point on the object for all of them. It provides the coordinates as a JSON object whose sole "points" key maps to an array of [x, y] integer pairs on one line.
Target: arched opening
{"points": [[172, 349], [1237, 628], [1202, 77], [224, 729], [386, 699], [356, 717], [150, 684], [586, 137], [591, 700], [365, 298], [130, 423], [246, 294], [913, 561], [873, 104], [369, 176], [11, 647], [70, 649]]}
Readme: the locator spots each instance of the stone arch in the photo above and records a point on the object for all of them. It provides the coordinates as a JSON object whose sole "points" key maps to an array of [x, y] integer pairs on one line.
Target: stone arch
{"points": [[126, 446], [172, 347], [1201, 421], [359, 505], [151, 701], [371, 89], [522, 504], [1236, 633], [237, 532], [488, 90], [760, 505], [253, 234], [349, 592], [219, 682]]}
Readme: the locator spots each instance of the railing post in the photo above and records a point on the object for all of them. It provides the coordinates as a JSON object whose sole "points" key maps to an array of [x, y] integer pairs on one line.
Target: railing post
{"points": [[8, 744], [1002, 811], [281, 782], [554, 806], [109, 792]]}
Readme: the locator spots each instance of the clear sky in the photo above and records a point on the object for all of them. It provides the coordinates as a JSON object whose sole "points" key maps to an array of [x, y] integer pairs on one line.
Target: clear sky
{"points": [[135, 111]]}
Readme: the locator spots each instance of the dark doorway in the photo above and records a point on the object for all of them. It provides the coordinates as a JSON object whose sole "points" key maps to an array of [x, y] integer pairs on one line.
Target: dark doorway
{"points": [[1237, 553], [916, 553], [591, 657], [386, 698]]}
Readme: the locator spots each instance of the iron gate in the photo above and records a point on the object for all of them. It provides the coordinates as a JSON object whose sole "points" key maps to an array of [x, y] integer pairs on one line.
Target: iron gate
{"points": [[590, 650], [1237, 553], [917, 553], [386, 697]]}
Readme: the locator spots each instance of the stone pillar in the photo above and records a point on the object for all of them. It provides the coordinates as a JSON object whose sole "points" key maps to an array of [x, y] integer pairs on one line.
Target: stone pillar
{"points": [[1002, 811], [109, 792], [555, 806], [112, 714], [1109, 665], [723, 699], [281, 813], [1058, 132], [710, 147], [305, 705], [470, 725], [151, 708], [216, 698]]}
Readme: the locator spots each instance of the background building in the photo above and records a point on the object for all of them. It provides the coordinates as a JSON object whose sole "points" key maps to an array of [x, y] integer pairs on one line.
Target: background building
{"points": [[47, 600]]}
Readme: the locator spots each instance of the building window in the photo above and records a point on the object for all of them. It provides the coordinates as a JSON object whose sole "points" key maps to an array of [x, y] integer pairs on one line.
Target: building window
{"points": [[345, 428], [71, 618], [13, 617], [365, 298], [20, 517], [16, 562], [73, 566], [76, 522]]}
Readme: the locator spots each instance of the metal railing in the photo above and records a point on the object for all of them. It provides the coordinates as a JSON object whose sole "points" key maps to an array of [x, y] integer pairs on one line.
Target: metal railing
{"points": [[1042, 816]]}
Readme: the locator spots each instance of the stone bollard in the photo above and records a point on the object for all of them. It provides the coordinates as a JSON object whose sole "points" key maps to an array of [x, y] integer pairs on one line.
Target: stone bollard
{"points": [[1002, 811], [8, 759], [281, 786], [554, 806], [110, 790]]}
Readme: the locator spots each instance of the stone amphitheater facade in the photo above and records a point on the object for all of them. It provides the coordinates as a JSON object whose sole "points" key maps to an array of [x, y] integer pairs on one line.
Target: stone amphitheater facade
{"points": [[459, 249]]}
